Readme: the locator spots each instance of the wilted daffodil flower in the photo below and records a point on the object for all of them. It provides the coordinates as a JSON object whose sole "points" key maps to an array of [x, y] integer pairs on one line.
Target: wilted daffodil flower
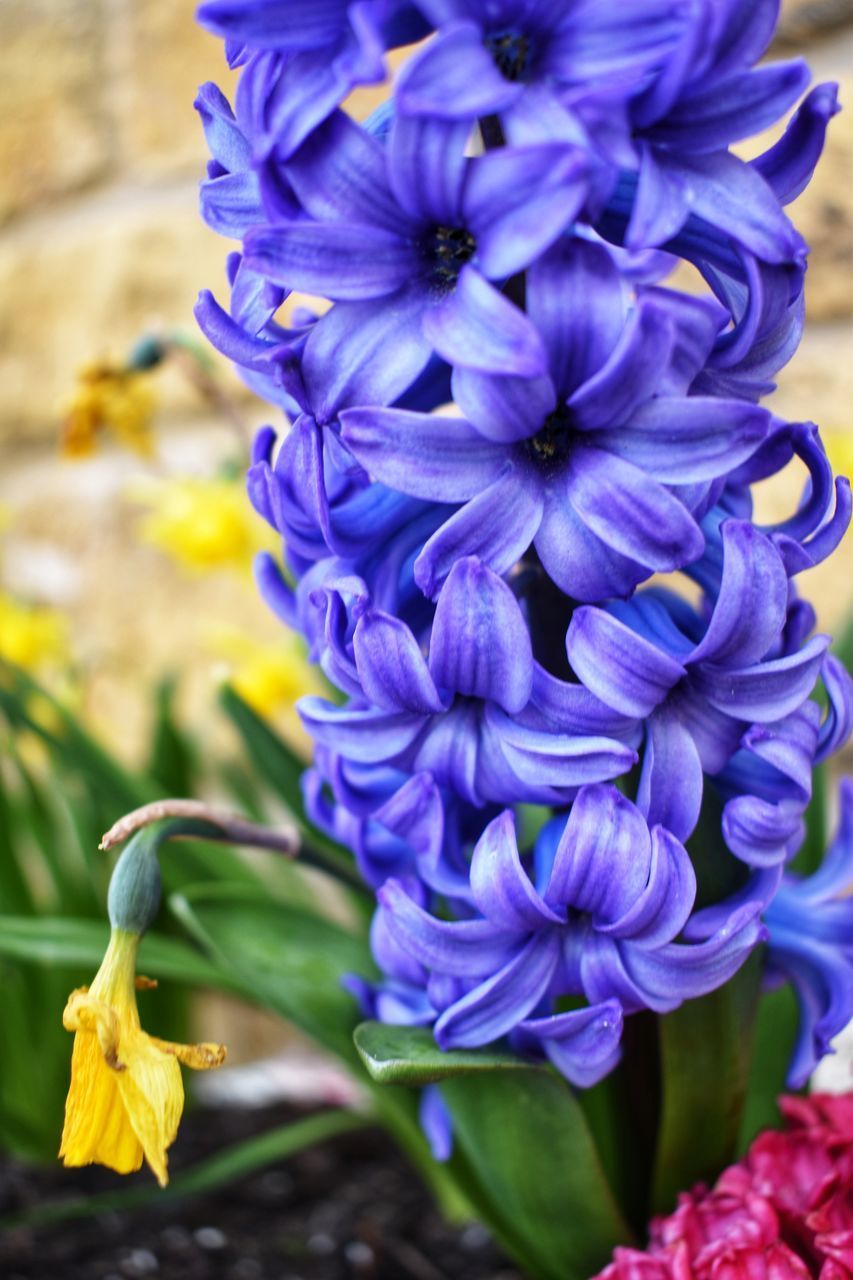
{"points": [[109, 397], [126, 1095]]}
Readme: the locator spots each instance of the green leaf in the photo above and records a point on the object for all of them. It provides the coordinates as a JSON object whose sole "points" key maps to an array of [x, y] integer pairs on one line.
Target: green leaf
{"points": [[410, 1056], [813, 849], [286, 958], [71, 746], [220, 1170], [282, 769], [57, 940], [775, 1034], [171, 759], [15, 892], [706, 1048], [36, 1053], [41, 809], [535, 1174]]}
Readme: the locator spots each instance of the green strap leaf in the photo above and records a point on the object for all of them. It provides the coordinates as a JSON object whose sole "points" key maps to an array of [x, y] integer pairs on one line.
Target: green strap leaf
{"points": [[56, 940], [530, 1220], [172, 758], [287, 958], [706, 1049], [775, 1036], [535, 1175], [410, 1056], [282, 769]]}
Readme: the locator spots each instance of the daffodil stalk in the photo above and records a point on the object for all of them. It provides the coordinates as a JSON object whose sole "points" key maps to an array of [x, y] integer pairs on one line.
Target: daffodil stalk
{"points": [[198, 818]]}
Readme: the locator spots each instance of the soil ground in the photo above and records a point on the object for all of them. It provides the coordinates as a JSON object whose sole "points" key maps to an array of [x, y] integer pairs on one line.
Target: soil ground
{"points": [[350, 1209]]}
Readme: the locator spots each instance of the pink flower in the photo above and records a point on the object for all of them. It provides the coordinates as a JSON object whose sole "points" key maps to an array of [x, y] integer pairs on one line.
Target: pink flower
{"points": [[707, 1223], [785, 1212], [632, 1264], [776, 1262], [832, 1223]]}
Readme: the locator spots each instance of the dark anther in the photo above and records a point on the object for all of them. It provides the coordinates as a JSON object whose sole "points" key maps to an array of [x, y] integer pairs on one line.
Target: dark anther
{"points": [[550, 445], [510, 53], [449, 248]]}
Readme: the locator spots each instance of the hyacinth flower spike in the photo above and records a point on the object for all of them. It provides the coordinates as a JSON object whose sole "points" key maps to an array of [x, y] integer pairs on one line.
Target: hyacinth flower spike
{"points": [[126, 1095], [504, 425]]}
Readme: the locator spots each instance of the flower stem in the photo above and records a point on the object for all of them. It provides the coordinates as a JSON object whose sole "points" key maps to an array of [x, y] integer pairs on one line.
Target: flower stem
{"points": [[223, 825]]}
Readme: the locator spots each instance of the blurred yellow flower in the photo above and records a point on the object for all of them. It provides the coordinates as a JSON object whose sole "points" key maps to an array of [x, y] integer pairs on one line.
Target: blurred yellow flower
{"points": [[109, 398], [201, 523], [270, 677], [32, 636], [839, 449], [126, 1095]]}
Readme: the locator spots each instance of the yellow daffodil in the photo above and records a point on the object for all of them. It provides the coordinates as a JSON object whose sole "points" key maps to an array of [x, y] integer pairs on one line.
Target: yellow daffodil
{"points": [[839, 448], [109, 398], [126, 1095], [32, 636], [269, 677], [201, 523]]}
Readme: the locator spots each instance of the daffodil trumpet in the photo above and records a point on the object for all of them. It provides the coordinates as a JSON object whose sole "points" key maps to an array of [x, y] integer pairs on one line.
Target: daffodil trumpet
{"points": [[126, 1095]]}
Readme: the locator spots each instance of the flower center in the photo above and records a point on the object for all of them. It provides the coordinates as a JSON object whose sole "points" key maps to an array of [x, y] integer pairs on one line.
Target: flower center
{"points": [[449, 248], [549, 448], [510, 52]]}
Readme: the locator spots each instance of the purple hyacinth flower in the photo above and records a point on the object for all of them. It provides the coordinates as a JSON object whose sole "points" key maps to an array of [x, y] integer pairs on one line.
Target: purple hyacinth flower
{"points": [[311, 492], [707, 97], [809, 536], [810, 922], [414, 231], [491, 59], [576, 462], [599, 919], [395, 825], [479, 714], [765, 300], [436, 1123], [231, 196], [301, 60], [767, 784], [699, 695]]}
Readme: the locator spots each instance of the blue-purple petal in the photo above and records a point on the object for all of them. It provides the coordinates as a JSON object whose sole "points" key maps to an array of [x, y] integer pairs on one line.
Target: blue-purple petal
{"points": [[497, 1005], [480, 645], [502, 889], [623, 669]]}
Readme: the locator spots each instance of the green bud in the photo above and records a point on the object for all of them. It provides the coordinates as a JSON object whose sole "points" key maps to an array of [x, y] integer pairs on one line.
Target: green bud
{"points": [[134, 893], [147, 354]]}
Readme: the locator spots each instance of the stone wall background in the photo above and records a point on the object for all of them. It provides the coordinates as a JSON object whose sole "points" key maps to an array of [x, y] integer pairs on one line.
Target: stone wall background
{"points": [[100, 240]]}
